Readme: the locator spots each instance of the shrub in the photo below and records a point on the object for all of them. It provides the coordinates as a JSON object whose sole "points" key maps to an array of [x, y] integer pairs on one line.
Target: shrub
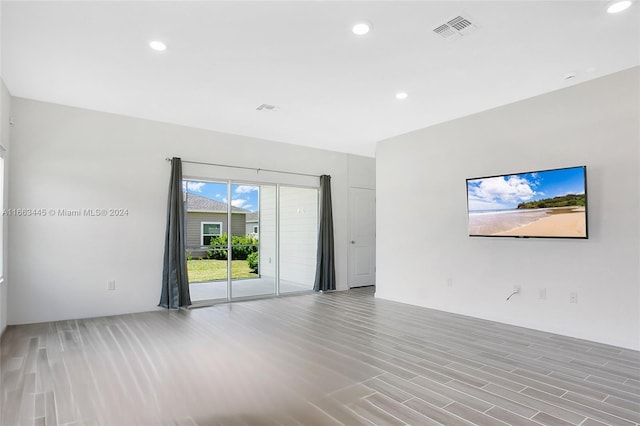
{"points": [[252, 260], [242, 246], [218, 248]]}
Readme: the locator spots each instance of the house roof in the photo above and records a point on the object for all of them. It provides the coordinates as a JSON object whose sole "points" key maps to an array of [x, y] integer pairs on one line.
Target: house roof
{"points": [[204, 204]]}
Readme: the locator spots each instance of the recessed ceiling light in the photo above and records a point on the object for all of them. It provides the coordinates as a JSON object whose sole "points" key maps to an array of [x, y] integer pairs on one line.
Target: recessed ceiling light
{"points": [[402, 95], [619, 6], [158, 45], [361, 28]]}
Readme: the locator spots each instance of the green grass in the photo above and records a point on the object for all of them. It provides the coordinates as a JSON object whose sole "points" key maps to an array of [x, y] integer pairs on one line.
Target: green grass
{"points": [[210, 269]]}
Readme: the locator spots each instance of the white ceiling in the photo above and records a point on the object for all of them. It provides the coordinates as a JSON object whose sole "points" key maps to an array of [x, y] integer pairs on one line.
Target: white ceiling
{"points": [[334, 90]]}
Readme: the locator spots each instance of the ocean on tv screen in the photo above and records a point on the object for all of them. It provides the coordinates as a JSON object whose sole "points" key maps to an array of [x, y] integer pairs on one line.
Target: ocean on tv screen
{"points": [[549, 203]]}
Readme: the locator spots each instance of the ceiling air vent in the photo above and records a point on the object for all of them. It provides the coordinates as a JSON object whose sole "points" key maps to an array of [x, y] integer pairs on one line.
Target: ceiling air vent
{"points": [[455, 28], [267, 107]]}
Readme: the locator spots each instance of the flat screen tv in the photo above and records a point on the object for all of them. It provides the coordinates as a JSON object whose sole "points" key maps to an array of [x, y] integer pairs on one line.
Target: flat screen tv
{"points": [[540, 204]]}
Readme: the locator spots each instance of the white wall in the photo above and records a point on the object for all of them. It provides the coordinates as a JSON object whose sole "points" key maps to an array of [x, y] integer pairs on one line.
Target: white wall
{"points": [[421, 180], [362, 172], [5, 140], [72, 158]]}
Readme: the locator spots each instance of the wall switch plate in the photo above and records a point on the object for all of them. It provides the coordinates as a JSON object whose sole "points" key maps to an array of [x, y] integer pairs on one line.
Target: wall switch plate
{"points": [[111, 285], [573, 297], [449, 282]]}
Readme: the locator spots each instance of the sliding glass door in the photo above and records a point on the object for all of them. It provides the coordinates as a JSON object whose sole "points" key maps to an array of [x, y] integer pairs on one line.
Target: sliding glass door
{"points": [[207, 228], [247, 240], [253, 243], [298, 238]]}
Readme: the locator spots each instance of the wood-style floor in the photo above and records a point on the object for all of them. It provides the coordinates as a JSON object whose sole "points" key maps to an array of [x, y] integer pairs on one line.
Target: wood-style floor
{"points": [[320, 359]]}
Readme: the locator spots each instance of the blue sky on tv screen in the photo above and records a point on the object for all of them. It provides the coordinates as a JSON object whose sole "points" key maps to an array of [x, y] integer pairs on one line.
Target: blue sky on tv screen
{"points": [[243, 196], [506, 192]]}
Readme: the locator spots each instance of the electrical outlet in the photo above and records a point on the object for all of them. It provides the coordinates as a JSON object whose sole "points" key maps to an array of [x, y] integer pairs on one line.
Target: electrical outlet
{"points": [[573, 297], [111, 285], [542, 294], [449, 282]]}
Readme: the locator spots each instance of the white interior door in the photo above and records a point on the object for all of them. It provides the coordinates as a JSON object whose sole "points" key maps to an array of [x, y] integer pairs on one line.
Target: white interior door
{"points": [[362, 237]]}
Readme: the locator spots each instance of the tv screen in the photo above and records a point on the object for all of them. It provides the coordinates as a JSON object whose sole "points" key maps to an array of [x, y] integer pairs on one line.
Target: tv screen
{"points": [[544, 204]]}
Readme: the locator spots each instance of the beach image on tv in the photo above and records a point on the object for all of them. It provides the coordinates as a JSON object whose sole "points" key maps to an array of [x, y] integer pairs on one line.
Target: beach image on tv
{"points": [[550, 203]]}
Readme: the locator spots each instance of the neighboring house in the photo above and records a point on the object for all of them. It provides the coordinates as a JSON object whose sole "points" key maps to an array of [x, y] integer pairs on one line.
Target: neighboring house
{"points": [[253, 227], [207, 218]]}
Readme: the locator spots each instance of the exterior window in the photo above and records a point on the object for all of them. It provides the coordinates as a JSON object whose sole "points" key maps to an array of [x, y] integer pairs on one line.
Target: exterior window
{"points": [[210, 230], [255, 229], [2, 217]]}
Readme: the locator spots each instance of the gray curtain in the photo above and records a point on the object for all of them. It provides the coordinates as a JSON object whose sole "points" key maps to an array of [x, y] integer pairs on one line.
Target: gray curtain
{"points": [[325, 265], [175, 284]]}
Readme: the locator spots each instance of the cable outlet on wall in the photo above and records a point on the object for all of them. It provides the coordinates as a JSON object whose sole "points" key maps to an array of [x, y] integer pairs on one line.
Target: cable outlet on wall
{"points": [[573, 297], [111, 285], [542, 294]]}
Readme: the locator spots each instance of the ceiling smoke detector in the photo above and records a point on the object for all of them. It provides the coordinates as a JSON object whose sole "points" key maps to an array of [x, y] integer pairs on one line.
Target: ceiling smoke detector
{"points": [[455, 28], [267, 107]]}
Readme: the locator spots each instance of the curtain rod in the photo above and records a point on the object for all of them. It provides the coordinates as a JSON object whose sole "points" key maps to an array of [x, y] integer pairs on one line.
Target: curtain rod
{"points": [[246, 168]]}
